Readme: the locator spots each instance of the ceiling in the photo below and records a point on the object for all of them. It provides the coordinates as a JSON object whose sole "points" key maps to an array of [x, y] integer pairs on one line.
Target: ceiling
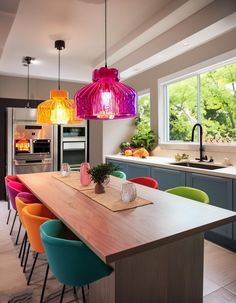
{"points": [[141, 34]]}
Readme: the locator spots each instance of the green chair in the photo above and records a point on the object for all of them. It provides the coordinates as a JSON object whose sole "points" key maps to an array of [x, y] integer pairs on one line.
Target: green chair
{"points": [[189, 192], [119, 174], [69, 259]]}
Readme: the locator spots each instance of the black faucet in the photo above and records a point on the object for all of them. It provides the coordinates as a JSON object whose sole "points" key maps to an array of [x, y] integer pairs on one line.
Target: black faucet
{"points": [[201, 158]]}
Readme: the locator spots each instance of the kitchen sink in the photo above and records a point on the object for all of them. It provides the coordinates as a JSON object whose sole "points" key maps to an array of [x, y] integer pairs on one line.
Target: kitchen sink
{"points": [[198, 165]]}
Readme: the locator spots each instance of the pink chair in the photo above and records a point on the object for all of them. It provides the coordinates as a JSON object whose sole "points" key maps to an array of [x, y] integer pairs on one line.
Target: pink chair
{"points": [[8, 179], [146, 181], [13, 189]]}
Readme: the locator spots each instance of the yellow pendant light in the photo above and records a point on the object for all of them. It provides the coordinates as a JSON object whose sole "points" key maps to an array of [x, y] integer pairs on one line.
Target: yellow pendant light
{"points": [[59, 109]]}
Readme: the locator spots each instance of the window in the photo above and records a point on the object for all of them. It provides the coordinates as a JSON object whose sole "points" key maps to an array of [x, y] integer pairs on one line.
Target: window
{"points": [[207, 97], [144, 108]]}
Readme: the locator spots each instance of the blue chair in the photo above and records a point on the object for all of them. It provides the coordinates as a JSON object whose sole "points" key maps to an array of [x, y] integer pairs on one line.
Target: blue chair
{"points": [[119, 174], [69, 259]]}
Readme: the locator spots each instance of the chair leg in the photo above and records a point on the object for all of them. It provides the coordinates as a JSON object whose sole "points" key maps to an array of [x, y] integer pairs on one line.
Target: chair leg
{"points": [[44, 284], [83, 294], [62, 293], [23, 253], [17, 238], [22, 244], [26, 258], [13, 223], [32, 269], [9, 213], [74, 288]]}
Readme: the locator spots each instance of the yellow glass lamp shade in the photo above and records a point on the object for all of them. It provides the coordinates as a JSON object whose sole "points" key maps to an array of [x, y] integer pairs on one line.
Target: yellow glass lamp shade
{"points": [[56, 110]]}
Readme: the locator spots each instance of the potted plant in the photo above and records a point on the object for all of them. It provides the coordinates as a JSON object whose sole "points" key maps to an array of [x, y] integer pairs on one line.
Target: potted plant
{"points": [[100, 174]]}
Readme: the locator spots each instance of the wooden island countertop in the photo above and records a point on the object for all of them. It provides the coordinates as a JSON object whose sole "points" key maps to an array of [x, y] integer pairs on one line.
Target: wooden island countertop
{"points": [[170, 224]]}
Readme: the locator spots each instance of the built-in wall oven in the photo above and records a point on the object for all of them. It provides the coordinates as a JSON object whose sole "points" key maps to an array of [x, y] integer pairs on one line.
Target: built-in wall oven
{"points": [[30, 146], [73, 144]]}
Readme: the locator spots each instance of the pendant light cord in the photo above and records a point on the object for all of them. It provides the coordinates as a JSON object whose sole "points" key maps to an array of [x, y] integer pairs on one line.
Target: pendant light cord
{"points": [[28, 84], [105, 33], [59, 69]]}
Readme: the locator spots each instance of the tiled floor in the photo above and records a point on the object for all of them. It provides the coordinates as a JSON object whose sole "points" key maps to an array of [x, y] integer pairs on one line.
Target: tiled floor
{"points": [[219, 274], [219, 270]]}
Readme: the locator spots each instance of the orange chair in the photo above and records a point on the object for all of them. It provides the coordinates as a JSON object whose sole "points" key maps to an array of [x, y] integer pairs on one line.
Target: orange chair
{"points": [[146, 181], [33, 215], [22, 200]]}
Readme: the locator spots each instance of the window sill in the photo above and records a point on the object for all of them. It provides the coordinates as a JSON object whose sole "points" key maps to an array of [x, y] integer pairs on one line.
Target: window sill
{"points": [[223, 148]]}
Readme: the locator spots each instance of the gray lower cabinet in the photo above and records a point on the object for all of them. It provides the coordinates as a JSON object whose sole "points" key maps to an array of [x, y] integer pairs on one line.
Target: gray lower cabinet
{"points": [[168, 178], [122, 165], [132, 170], [220, 193]]}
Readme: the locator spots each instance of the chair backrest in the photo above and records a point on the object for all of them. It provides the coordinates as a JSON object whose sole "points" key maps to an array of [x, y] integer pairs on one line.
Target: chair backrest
{"points": [[33, 216], [69, 259], [119, 174], [8, 179], [23, 199], [189, 192], [14, 188], [147, 181]]}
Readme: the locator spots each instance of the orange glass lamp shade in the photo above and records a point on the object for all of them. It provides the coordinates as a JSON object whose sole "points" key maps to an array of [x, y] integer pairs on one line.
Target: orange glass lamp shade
{"points": [[23, 145], [59, 109]]}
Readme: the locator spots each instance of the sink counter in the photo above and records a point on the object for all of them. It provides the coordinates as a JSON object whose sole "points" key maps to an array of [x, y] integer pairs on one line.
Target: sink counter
{"points": [[227, 172]]}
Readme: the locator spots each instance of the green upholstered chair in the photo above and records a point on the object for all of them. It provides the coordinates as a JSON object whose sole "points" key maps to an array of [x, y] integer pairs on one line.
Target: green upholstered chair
{"points": [[69, 259], [119, 174], [189, 192]]}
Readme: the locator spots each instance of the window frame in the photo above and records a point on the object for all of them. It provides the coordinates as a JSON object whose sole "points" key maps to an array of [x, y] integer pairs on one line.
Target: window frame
{"points": [[163, 108]]}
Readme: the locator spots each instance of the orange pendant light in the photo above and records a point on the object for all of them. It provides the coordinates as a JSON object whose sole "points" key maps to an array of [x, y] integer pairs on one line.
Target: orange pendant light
{"points": [[59, 109]]}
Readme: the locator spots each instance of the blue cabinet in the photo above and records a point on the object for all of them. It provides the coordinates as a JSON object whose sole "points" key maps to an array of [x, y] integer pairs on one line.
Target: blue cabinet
{"points": [[122, 165], [220, 192], [137, 170], [168, 178], [132, 170]]}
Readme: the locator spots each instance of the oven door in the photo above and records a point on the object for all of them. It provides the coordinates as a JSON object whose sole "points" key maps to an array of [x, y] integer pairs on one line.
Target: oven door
{"points": [[41, 146], [74, 153]]}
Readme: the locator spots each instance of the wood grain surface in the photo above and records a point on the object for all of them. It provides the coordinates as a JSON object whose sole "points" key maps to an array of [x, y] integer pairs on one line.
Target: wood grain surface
{"points": [[115, 235]]}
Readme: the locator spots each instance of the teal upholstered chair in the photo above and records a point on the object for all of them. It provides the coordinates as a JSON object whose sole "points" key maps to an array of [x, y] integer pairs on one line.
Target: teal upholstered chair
{"points": [[119, 174], [189, 192], [69, 259]]}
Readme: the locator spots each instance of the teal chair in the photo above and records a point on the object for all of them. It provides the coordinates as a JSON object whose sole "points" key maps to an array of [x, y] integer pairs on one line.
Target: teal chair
{"points": [[69, 259], [119, 174], [189, 192]]}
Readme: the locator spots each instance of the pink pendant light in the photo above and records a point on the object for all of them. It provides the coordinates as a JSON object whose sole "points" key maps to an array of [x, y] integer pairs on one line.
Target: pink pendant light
{"points": [[106, 98]]}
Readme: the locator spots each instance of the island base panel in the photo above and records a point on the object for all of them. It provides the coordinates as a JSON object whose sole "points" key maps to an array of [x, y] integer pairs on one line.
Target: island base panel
{"points": [[170, 273]]}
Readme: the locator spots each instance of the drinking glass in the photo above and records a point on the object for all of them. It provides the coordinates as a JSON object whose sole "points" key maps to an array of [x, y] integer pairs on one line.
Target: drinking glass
{"points": [[128, 192], [65, 169]]}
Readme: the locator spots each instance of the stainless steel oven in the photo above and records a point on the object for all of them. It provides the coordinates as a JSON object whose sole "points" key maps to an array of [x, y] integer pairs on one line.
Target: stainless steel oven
{"points": [[73, 144], [30, 145]]}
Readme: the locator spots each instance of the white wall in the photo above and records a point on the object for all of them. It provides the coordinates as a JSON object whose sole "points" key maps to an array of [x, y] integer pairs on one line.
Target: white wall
{"points": [[149, 78]]}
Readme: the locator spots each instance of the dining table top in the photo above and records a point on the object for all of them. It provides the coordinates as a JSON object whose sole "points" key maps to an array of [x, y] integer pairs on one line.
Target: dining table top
{"points": [[116, 235]]}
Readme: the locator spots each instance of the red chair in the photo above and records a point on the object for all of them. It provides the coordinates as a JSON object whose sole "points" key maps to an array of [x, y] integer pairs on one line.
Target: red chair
{"points": [[146, 181], [8, 179]]}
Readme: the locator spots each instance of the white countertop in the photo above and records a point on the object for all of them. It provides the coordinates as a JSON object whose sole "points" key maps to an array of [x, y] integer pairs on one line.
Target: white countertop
{"points": [[164, 162]]}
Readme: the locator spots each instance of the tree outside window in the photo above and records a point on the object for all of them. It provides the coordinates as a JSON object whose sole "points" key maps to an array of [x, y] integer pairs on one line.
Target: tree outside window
{"points": [[208, 98]]}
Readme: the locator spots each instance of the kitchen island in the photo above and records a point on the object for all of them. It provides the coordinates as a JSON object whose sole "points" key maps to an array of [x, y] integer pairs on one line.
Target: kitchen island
{"points": [[156, 250]]}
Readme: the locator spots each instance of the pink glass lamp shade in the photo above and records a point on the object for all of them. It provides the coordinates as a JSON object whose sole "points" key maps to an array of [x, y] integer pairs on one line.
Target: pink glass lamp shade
{"points": [[106, 98]]}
